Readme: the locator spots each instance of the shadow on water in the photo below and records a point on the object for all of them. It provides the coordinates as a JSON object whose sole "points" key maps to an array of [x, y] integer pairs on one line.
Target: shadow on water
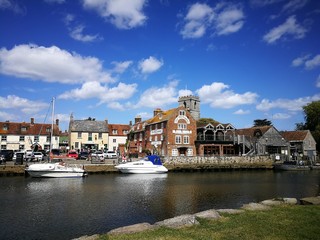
{"points": [[69, 208]]}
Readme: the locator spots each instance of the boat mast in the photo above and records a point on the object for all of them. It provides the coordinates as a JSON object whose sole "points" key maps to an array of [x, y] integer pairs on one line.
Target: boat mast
{"points": [[52, 119]]}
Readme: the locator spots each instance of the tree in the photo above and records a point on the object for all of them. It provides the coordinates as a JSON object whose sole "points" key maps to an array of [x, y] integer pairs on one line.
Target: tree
{"points": [[206, 121], [261, 122], [312, 120]]}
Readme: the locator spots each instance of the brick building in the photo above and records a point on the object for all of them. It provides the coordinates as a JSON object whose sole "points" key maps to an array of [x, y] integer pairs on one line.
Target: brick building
{"points": [[171, 133]]}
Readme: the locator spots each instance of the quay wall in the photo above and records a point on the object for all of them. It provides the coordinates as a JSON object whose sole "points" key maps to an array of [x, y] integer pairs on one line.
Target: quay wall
{"points": [[174, 164], [217, 162]]}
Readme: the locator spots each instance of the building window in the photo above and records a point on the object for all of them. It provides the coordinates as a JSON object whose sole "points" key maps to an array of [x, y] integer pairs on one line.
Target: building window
{"points": [[114, 140], [79, 135], [174, 152], [140, 137], [100, 136], [182, 113], [48, 139], [182, 126], [23, 129], [90, 137], [21, 139], [4, 138], [162, 125], [5, 128], [21, 147], [178, 139], [3, 147], [190, 152], [185, 139], [48, 129], [114, 131], [76, 145], [125, 131], [156, 138], [36, 138]]}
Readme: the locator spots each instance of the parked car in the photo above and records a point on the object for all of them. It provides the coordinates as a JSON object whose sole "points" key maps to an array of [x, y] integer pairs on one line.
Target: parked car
{"points": [[29, 156], [110, 154], [96, 157], [83, 155], [38, 156], [72, 154], [6, 154]]}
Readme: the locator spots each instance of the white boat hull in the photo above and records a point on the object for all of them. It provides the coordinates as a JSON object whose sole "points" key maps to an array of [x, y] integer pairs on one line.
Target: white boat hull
{"points": [[51, 170], [132, 169]]}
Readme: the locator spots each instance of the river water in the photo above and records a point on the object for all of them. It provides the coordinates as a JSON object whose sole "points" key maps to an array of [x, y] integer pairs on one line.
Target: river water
{"points": [[69, 208]]}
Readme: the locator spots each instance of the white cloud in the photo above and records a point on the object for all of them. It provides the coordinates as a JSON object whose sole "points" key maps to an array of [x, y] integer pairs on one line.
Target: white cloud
{"points": [[184, 92], [281, 116], [51, 64], [77, 34], [308, 62], [197, 20], [5, 116], [313, 63], [159, 97], [218, 96], [300, 60], [224, 19], [12, 6], [103, 93], [121, 67], [318, 82], [241, 112], [288, 28], [229, 20], [288, 104], [150, 65], [293, 5], [122, 13], [23, 104]]}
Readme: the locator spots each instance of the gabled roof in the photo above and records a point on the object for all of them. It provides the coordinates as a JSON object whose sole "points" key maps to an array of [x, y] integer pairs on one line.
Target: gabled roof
{"points": [[295, 135], [88, 126], [24, 128], [120, 129], [252, 131], [162, 116]]}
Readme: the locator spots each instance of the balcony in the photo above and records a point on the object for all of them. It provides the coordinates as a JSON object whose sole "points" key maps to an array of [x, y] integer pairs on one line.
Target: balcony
{"points": [[210, 138]]}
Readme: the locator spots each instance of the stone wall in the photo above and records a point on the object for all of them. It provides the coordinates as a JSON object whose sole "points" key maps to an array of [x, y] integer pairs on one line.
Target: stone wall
{"points": [[212, 162]]}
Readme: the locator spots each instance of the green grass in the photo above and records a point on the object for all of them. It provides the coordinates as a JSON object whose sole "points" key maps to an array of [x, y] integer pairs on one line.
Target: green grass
{"points": [[282, 222]]}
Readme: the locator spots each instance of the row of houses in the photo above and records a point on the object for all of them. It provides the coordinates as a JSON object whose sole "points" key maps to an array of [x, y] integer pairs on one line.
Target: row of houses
{"points": [[173, 132]]}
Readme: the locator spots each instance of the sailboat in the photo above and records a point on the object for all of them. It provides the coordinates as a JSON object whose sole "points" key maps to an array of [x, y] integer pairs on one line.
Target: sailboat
{"points": [[57, 169]]}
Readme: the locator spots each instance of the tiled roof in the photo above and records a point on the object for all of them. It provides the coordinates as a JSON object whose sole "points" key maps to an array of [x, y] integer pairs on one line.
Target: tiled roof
{"points": [[294, 135], [14, 128], [88, 126], [163, 116], [120, 129], [251, 131]]}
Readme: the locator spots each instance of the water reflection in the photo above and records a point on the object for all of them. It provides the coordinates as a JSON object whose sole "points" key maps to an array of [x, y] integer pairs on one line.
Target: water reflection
{"points": [[36, 208]]}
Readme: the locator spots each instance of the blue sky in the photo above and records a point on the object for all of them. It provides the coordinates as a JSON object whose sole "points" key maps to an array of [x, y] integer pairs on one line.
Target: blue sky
{"points": [[118, 59]]}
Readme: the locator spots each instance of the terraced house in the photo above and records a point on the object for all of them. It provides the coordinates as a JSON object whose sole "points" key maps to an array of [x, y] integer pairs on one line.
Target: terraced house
{"points": [[22, 136]]}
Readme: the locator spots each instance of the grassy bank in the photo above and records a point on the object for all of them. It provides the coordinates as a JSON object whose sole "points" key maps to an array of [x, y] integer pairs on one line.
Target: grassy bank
{"points": [[281, 222]]}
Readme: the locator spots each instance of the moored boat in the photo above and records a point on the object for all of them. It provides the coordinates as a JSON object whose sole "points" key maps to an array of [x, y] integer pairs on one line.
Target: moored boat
{"points": [[291, 166], [149, 164], [55, 170]]}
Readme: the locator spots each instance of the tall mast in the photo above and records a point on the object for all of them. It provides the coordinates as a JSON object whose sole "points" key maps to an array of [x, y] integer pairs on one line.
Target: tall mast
{"points": [[52, 119]]}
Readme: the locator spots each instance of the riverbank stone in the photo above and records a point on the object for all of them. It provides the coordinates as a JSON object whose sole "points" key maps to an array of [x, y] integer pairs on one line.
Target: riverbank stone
{"points": [[255, 206], [230, 211], [279, 201], [310, 200], [186, 220], [208, 214], [132, 228]]}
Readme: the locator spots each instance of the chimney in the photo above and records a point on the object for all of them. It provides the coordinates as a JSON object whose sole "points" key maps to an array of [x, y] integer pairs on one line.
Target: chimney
{"points": [[130, 123], [57, 122], [137, 119], [107, 122], [157, 111], [32, 121]]}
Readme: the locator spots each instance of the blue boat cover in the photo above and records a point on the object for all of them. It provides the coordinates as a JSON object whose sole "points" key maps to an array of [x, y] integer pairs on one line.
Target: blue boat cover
{"points": [[155, 159]]}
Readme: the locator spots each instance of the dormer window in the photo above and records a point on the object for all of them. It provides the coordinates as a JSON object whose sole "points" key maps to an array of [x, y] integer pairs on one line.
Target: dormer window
{"points": [[114, 131], [48, 129], [5, 128], [23, 129]]}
